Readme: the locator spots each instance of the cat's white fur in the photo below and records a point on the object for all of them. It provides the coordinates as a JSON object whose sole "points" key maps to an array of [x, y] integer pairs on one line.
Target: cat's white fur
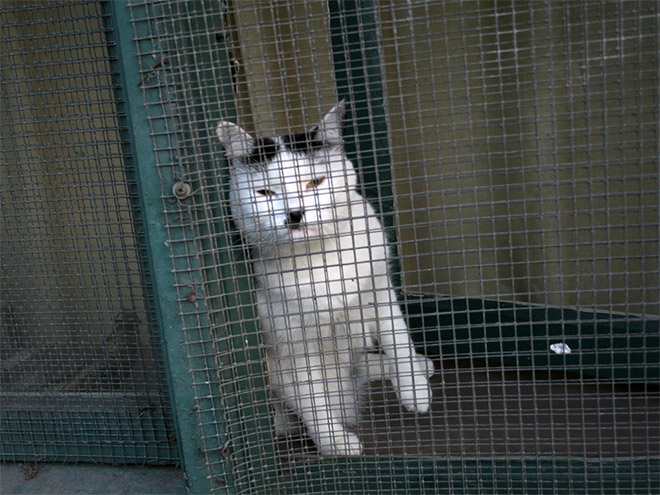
{"points": [[327, 307]]}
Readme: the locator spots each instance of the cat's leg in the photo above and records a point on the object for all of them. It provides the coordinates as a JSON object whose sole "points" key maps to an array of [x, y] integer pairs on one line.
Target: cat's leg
{"points": [[311, 372], [309, 394], [344, 384], [409, 373], [376, 366], [313, 386], [286, 423]]}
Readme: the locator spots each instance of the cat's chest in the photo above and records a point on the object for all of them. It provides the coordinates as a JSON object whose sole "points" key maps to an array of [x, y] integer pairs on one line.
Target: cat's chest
{"points": [[329, 278], [337, 273]]}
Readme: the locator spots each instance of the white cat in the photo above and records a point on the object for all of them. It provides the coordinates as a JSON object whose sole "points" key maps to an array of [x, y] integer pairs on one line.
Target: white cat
{"points": [[327, 308]]}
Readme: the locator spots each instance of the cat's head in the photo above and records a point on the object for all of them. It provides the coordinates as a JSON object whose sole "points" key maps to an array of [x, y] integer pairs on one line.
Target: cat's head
{"points": [[289, 188]]}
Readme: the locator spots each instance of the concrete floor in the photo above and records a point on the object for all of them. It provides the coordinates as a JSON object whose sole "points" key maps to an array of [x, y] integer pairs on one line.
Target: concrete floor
{"points": [[478, 411], [61, 479], [486, 411]]}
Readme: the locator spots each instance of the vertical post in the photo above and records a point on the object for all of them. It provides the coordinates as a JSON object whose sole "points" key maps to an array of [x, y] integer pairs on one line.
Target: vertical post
{"points": [[203, 71], [150, 191], [212, 344], [356, 53]]}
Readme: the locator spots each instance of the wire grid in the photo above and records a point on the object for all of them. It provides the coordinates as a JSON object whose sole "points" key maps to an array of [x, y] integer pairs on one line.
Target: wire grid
{"points": [[521, 152], [81, 377]]}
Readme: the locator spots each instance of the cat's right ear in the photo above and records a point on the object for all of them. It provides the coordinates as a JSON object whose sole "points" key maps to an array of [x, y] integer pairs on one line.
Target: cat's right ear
{"points": [[331, 128], [236, 141]]}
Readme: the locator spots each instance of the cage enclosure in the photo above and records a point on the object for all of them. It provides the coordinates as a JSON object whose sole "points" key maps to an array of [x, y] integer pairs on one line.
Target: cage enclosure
{"points": [[510, 150]]}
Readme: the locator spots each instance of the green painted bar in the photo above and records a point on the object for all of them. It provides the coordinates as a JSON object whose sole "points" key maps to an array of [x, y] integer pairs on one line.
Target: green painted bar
{"points": [[225, 273], [356, 55], [603, 345], [469, 476], [150, 190], [85, 436]]}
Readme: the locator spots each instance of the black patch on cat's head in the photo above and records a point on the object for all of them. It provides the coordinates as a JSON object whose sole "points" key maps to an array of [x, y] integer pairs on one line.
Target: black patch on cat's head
{"points": [[263, 151], [304, 142]]}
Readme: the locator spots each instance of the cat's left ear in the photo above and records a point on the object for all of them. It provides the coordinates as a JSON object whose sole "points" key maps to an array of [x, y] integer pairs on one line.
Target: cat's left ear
{"points": [[236, 141], [331, 128]]}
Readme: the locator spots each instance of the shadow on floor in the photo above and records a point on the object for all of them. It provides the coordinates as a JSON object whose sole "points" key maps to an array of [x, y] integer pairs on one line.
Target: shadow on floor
{"points": [[488, 411], [60, 479]]}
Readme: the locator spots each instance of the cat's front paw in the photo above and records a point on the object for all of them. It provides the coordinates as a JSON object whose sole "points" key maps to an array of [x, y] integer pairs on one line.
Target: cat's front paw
{"points": [[340, 443], [414, 393], [412, 384], [424, 364]]}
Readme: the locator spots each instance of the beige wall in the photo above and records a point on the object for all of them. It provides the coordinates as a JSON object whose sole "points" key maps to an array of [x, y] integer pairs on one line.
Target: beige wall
{"points": [[526, 161], [68, 250], [283, 62], [525, 165]]}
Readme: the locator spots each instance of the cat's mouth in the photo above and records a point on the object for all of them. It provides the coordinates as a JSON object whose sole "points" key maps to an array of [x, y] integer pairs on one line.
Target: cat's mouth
{"points": [[303, 231], [300, 229]]}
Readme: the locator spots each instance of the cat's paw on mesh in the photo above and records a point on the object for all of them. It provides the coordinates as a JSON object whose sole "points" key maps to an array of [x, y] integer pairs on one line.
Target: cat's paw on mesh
{"points": [[424, 364], [409, 378], [339, 442], [414, 392], [374, 366]]}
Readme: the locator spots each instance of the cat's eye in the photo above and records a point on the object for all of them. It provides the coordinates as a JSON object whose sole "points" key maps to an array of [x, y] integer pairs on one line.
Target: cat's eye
{"points": [[266, 192], [315, 182]]}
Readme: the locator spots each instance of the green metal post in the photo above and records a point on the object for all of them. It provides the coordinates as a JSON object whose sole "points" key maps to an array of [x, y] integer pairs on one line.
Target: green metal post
{"points": [[225, 274], [166, 294], [356, 55], [212, 340]]}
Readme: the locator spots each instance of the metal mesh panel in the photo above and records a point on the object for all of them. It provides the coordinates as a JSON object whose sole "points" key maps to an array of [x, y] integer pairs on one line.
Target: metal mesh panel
{"points": [[511, 152], [81, 376]]}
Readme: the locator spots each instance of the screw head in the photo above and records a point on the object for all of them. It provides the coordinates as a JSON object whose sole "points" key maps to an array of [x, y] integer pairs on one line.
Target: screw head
{"points": [[181, 190]]}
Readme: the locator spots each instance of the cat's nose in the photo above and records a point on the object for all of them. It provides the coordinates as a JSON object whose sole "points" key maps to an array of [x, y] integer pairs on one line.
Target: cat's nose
{"points": [[294, 218]]}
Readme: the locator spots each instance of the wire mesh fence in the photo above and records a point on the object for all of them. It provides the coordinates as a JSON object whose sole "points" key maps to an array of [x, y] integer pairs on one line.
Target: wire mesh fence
{"points": [[81, 375], [510, 152], [507, 151]]}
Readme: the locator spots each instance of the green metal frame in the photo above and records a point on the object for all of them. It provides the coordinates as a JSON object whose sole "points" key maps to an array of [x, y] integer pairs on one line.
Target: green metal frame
{"points": [[150, 191], [227, 281], [356, 55], [354, 33], [208, 394], [605, 345], [406, 476], [112, 436]]}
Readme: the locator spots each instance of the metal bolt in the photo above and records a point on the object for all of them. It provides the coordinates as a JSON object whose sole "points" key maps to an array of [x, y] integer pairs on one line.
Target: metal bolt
{"points": [[181, 190]]}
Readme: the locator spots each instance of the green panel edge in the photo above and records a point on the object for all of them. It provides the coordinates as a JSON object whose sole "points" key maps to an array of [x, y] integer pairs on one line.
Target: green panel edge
{"points": [[604, 345], [354, 34], [226, 275], [470, 476], [108, 436], [170, 322]]}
